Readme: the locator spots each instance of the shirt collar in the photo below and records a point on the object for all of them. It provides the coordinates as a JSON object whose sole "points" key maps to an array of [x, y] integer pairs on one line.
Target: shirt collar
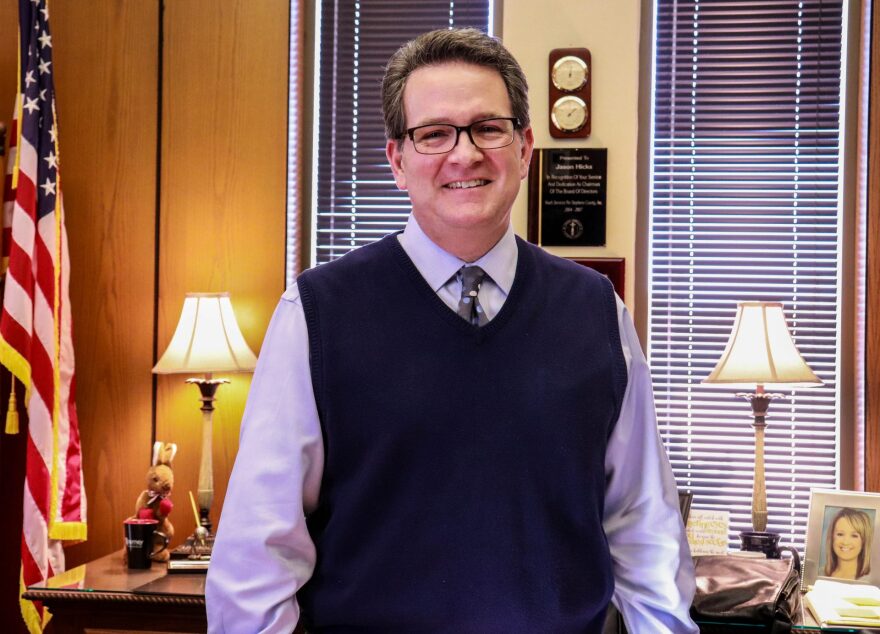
{"points": [[437, 266]]}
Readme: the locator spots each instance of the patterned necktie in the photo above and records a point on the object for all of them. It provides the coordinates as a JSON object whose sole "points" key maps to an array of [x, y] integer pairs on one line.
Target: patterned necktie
{"points": [[469, 306]]}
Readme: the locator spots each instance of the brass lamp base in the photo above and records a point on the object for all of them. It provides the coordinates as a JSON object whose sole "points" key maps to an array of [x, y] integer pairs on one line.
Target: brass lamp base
{"points": [[196, 551], [760, 401], [207, 389]]}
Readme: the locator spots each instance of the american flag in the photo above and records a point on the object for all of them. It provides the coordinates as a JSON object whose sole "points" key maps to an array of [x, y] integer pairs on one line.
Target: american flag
{"points": [[35, 326]]}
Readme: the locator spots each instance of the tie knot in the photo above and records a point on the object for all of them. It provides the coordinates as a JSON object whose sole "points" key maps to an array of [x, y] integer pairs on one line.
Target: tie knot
{"points": [[471, 278], [469, 306]]}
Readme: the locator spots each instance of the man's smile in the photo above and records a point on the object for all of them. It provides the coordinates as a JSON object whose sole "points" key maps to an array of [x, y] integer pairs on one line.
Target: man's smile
{"points": [[477, 182]]}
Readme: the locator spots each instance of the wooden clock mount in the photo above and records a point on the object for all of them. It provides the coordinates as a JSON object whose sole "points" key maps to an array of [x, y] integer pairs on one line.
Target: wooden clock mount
{"points": [[570, 79]]}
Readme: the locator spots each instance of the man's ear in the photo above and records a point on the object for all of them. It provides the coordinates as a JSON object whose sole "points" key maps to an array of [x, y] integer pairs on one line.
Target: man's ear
{"points": [[528, 144], [395, 158]]}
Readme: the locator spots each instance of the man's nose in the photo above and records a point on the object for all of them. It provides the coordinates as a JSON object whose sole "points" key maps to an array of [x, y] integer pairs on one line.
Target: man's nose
{"points": [[465, 151]]}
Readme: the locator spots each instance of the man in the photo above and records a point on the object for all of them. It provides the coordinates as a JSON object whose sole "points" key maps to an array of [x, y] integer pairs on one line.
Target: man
{"points": [[451, 431]]}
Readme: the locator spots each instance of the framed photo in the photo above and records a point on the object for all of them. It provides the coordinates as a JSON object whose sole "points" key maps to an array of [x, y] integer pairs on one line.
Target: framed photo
{"points": [[843, 537]]}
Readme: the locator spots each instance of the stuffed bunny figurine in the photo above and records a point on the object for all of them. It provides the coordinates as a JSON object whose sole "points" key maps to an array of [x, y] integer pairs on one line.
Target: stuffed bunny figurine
{"points": [[155, 501]]}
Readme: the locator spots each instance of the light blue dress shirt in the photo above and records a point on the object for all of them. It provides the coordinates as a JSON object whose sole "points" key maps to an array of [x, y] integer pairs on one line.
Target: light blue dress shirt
{"points": [[263, 552]]}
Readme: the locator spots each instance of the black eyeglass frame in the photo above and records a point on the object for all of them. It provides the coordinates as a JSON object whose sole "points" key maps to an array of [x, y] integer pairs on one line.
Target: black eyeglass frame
{"points": [[410, 132]]}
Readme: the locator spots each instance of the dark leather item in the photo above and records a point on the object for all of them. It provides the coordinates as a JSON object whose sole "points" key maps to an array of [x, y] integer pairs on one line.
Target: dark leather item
{"points": [[733, 589]]}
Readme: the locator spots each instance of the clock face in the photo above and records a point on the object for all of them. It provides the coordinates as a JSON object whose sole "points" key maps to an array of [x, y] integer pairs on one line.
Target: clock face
{"points": [[569, 113], [570, 73]]}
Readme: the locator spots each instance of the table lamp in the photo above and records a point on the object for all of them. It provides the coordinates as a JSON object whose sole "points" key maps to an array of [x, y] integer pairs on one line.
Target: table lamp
{"points": [[207, 340], [761, 352]]}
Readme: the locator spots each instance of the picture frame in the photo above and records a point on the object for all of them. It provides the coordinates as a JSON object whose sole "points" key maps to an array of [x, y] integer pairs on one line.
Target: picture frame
{"points": [[843, 537]]}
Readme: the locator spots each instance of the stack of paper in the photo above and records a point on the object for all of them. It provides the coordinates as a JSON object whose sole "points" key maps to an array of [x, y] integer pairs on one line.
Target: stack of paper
{"points": [[835, 603]]}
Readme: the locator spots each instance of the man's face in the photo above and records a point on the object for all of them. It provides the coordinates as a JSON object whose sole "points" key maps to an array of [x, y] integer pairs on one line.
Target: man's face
{"points": [[467, 189]]}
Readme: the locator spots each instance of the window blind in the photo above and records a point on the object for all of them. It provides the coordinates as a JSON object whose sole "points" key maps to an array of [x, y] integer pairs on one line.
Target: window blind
{"points": [[355, 198], [745, 206]]}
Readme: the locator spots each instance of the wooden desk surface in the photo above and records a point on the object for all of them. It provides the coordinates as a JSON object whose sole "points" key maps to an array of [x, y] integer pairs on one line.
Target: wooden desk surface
{"points": [[105, 593]]}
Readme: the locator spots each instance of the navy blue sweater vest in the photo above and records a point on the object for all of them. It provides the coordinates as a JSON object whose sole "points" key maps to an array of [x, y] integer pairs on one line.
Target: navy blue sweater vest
{"points": [[464, 467]]}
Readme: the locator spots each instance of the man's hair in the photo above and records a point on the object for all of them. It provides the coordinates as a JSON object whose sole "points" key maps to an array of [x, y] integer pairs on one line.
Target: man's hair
{"points": [[861, 523], [450, 45]]}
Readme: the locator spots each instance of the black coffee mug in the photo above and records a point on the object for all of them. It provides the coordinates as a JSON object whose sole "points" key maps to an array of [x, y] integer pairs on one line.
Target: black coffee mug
{"points": [[139, 535]]}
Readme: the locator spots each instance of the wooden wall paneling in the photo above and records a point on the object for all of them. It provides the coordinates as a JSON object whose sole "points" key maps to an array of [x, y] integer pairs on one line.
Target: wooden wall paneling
{"points": [[222, 211], [106, 81], [872, 303], [8, 61]]}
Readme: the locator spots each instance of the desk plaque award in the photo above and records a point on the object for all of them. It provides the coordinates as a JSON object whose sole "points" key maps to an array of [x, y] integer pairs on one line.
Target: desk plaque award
{"points": [[567, 190]]}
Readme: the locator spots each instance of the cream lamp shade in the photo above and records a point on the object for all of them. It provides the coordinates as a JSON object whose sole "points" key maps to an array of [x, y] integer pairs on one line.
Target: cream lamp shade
{"points": [[207, 339], [760, 351]]}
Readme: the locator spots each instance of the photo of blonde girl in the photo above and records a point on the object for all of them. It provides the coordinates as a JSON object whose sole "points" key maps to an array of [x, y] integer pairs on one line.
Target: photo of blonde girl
{"points": [[848, 544]]}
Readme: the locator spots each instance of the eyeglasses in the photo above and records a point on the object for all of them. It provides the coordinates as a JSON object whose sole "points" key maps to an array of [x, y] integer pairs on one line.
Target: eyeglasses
{"points": [[486, 134]]}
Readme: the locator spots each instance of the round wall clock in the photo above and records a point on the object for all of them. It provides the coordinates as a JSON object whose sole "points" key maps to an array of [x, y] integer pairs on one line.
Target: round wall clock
{"points": [[569, 73], [569, 113]]}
